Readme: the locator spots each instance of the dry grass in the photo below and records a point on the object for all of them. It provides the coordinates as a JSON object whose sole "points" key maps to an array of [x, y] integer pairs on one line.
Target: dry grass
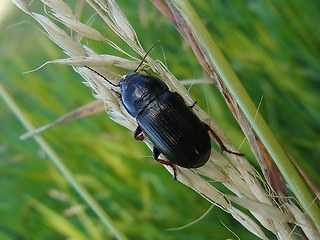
{"points": [[250, 190]]}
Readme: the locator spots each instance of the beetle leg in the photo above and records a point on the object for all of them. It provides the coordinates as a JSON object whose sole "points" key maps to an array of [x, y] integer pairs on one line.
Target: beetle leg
{"points": [[138, 135], [118, 94], [146, 71], [181, 98], [156, 153], [221, 145], [193, 104]]}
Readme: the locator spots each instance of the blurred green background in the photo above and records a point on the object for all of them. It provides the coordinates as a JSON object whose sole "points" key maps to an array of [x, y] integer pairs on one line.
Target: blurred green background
{"points": [[273, 46]]}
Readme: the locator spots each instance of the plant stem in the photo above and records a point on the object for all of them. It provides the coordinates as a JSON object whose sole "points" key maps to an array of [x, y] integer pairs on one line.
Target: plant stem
{"points": [[61, 167], [294, 179]]}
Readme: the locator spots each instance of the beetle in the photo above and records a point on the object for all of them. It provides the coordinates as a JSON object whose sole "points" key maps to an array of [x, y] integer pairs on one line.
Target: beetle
{"points": [[164, 118]]}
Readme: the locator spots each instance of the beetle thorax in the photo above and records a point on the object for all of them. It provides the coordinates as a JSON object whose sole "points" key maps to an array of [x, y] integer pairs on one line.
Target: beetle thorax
{"points": [[138, 91]]}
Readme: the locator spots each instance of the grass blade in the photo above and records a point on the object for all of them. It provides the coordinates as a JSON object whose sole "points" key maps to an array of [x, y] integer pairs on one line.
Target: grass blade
{"points": [[62, 167]]}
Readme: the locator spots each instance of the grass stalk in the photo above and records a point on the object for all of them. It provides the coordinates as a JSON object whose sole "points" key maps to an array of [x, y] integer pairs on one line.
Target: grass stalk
{"points": [[294, 179], [232, 171], [96, 208]]}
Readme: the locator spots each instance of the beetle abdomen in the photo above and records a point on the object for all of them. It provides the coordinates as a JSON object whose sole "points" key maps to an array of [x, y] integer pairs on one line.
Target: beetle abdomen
{"points": [[176, 131]]}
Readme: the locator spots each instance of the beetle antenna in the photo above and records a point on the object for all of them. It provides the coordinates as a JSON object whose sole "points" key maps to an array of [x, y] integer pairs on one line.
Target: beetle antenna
{"points": [[113, 84], [147, 54]]}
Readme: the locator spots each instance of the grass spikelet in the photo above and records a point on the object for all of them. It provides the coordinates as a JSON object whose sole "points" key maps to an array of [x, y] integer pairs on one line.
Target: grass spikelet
{"points": [[234, 172]]}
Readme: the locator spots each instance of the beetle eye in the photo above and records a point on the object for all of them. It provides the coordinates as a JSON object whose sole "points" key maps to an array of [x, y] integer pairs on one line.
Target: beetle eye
{"points": [[122, 80]]}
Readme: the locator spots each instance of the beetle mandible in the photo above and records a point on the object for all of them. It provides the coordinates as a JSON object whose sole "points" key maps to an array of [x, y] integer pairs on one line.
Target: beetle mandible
{"points": [[164, 118]]}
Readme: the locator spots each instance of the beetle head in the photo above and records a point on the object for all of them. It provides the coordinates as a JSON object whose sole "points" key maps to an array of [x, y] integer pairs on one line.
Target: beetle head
{"points": [[139, 90]]}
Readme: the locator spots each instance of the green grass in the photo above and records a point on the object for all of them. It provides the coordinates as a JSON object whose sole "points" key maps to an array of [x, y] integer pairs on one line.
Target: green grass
{"points": [[272, 46]]}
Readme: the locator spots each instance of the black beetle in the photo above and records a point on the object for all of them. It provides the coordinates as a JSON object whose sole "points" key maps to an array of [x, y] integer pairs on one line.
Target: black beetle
{"points": [[165, 119]]}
